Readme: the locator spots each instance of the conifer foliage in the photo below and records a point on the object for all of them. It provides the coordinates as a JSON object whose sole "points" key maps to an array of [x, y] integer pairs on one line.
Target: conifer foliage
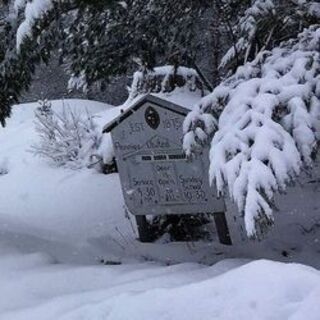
{"points": [[96, 39], [267, 23], [263, 124]]}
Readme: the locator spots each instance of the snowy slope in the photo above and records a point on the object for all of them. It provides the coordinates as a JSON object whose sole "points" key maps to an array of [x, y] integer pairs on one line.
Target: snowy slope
{"points": [[57, 224], [52, 208], [77, 216], [65, 211]]}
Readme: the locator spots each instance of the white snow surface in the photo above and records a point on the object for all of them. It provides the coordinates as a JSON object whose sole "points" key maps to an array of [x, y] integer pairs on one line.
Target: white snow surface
{"points": [[33, 10], [56, 224], [18, 5], [36, 288], [186, 94]]}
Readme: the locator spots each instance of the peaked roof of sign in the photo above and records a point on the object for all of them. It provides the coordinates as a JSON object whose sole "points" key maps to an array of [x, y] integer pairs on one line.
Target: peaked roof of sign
{"points": [[162, 103]]}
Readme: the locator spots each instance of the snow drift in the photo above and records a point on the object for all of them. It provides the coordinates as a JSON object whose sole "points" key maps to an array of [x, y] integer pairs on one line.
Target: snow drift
{"points": [[35, 288]]}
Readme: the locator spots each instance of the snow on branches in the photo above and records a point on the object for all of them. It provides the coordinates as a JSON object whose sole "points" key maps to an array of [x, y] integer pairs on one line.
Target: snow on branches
{"points": [[33, 11], [66, 139], [248, 27], [164, 79], [19, 5], [266, 23], [263, 124]]}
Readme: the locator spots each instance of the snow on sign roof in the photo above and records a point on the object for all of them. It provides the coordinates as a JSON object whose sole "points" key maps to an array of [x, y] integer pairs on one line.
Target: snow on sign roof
{"points": [[162, 103]]}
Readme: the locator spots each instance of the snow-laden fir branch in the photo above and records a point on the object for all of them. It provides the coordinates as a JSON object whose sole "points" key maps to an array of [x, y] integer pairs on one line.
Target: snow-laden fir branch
{"points": [[164, 79], [19, 5], [265, 23], [33, 11], [263, 124]]}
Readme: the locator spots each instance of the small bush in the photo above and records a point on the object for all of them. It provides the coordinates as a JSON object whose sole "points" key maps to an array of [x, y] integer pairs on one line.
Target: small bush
{"points": [[67, 138]]}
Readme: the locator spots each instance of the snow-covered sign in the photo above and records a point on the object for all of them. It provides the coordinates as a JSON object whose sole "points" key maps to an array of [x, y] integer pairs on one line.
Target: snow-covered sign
{"points": [[156, 176]]}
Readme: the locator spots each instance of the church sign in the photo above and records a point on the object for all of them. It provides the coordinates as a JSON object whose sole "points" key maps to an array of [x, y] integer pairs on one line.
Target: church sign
{"points": [[156, 176]]}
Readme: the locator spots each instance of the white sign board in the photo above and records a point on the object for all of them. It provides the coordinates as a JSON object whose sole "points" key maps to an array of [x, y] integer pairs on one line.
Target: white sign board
{"points": [[156, 176]]}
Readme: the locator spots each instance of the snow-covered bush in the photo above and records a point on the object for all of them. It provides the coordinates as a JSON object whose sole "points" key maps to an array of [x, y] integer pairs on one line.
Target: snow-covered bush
{"points": [[66, 139], [164, 79], [263, 125]]}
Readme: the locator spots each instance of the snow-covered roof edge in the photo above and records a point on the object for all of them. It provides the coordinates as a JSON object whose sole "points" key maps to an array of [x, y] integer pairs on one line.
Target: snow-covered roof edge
{"points": [[162, 103]]}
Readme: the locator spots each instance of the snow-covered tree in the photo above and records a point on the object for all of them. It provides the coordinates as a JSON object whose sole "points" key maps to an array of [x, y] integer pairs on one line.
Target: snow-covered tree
{"points": [[139, 34], [98, 39], [105, 38], [17, 64], [67, 138], [165, 79], [267, 23], [263, 126]]}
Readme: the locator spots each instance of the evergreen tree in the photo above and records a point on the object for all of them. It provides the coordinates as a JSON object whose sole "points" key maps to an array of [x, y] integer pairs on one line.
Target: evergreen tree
{"points": [[139, 34], [98, 39], [265, 24], [263, 126]]}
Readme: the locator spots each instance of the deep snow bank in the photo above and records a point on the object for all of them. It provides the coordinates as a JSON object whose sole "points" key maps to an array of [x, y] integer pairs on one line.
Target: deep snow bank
{"points": [[37, 289], [55, 209]]}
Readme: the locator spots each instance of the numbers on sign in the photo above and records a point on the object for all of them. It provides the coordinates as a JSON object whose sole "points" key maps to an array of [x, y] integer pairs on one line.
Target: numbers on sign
{"points": [[146, 195], [150, 192], [198, 195], [201, 195], [175, 123]]}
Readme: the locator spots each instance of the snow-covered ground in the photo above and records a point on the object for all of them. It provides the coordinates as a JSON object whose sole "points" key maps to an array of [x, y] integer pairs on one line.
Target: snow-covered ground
{"points": [[33, 287], [57, 224]]}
